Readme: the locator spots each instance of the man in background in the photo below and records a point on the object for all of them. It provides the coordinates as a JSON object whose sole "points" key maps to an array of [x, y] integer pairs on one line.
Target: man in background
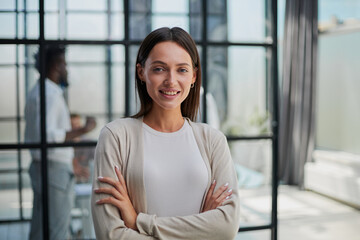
{"points": [[58, 129]]}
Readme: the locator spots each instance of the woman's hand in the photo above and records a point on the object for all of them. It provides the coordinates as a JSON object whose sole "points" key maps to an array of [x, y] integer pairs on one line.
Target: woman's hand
{"points": [[215, 199], [119, 197]]}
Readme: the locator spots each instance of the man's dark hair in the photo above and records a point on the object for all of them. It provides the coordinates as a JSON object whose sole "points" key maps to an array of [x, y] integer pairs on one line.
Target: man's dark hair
{"points": [[52, 54]]}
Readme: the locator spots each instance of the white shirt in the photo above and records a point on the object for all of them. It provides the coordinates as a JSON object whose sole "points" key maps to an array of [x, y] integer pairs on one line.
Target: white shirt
{"points": [[175, 174], [57, 121]]}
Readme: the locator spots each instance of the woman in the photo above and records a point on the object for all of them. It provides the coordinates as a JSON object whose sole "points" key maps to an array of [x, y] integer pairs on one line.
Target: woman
{"points": [[158, 174]]}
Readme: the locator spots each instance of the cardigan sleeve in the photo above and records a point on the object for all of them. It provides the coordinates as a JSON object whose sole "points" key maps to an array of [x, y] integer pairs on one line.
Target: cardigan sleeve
{"points": [[220, 223], [107, 220]]}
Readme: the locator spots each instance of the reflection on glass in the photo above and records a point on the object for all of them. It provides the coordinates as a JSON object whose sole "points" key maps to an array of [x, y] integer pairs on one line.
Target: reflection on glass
{"points": [[86, 26], [7, 5], [253, 165], [237, 81], [118, 89], [165, 6], [7, 30], [27, 195], [9, 200], [87, 5], [52, 25], [8, 91], [170, 21], [8, 160], [8, 131], [229, 20], [117, 23], [85, 54], [89, 82]]}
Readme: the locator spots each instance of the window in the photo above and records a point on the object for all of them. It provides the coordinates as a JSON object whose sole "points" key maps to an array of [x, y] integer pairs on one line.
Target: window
{"points": [[102, 38]]}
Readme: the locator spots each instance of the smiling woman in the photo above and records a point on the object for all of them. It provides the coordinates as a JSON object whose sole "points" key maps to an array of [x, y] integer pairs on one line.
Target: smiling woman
{"points": [[159, 175]]}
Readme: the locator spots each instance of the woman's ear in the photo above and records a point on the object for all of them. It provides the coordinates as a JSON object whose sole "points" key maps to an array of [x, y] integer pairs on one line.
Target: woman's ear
{"points": [[140, 71]]}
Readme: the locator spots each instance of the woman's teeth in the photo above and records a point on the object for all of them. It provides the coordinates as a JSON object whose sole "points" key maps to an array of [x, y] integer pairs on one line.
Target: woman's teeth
{"points": [[171, 93]]}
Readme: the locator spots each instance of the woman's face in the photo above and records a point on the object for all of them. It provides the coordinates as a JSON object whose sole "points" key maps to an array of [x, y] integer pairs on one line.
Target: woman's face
{"points": [[168, 74]]}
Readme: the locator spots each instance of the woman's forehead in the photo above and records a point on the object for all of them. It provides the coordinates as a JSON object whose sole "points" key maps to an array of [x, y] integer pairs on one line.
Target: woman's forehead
{"points": [[169, 52]]}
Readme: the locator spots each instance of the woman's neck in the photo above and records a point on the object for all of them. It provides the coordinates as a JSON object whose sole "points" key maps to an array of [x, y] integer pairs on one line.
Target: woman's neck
{"points": [[165, 120]]}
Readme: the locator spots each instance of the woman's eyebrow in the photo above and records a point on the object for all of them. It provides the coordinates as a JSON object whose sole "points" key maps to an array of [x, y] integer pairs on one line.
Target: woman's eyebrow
{"points": [[163, 63]]}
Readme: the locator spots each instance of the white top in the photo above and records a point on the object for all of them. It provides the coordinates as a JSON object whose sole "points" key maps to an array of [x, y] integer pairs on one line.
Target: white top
{"points": [[57, 121], [175, 174]]}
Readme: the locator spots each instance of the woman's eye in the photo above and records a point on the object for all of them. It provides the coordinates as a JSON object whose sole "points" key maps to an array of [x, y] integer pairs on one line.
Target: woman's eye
{"points": [[158, 69], [183, 70]]}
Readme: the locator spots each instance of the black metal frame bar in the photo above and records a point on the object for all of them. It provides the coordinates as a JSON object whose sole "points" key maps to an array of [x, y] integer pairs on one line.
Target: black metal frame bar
{"points": [[127, 43]]}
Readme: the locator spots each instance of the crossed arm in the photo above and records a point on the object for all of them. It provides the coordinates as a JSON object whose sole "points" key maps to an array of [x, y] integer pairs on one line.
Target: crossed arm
{"points": [[119, 197], [115, 216]]}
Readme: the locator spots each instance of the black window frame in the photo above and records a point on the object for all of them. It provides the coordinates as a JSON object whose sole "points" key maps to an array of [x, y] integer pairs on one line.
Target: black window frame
{"points": [[272, 75]]}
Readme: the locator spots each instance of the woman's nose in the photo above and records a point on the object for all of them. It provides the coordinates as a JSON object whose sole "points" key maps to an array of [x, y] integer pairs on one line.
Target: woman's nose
{"points": [[171, 78]]}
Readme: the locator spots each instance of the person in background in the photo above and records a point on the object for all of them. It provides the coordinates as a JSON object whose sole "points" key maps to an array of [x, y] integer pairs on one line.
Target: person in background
{"points": [[58, 130], [159, 174], [83, 156]]}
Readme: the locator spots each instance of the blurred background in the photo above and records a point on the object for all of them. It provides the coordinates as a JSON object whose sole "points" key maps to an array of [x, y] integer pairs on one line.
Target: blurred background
{"points": [[242, 62]]}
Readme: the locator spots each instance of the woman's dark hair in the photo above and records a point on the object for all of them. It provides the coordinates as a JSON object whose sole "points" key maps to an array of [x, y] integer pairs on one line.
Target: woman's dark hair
{"points": [[190, 106]]}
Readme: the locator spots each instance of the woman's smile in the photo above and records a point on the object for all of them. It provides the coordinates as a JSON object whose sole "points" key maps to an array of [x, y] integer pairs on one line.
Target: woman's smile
{"points": [[168, 74]]}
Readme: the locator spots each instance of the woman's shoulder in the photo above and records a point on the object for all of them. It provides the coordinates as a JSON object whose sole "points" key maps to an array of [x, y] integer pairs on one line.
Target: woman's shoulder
{"points": [[205, 130], [122, 126]]}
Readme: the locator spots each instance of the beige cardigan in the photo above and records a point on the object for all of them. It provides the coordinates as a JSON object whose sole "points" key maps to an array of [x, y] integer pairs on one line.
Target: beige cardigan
{"points": [[120, 143]]}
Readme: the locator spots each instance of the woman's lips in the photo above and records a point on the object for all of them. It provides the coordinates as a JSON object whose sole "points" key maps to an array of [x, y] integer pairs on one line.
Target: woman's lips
{"points": [[169, 93]]}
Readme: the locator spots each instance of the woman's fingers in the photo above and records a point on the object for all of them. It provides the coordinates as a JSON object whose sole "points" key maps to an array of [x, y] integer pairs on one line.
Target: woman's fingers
{"points": [[111, 191], [220, 190], [110, 200], [211, 191], [120, 176]]}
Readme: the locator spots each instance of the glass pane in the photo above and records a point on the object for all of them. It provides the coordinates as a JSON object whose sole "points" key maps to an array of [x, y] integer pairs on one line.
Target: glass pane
{"points": [[52, 25], [7, 5], [338, 111], [118, 54], [86, 26], [84, 159], [32, 196], [118, 90], [8, 91], [32, 25], [229, 20], [89, 82], [140, 26], [117, 26], [8, 131], [117, 5], [254, 235], [8, 160], [27, 195], [51, 5], [170, 21], [165, 6], [238, 85], [7, 30], [253, 165], [140, 19], [9, 201], [31, 5], [8, 54], [86, 5], [85, 54], [25, 160]]}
